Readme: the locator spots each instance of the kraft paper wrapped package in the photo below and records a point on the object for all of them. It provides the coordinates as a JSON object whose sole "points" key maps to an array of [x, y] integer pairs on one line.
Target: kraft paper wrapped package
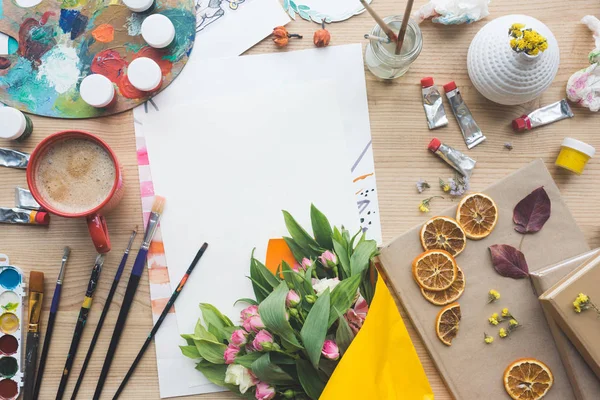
{"points": [[585, 384], [471, 368], [582, 327]]}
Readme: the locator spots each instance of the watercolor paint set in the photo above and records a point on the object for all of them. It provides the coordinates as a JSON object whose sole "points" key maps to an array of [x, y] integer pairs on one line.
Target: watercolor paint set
{"points": [[12, 293]]}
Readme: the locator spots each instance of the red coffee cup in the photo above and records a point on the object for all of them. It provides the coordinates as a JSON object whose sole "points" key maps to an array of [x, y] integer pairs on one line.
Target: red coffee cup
{"points": [[95, 217]]}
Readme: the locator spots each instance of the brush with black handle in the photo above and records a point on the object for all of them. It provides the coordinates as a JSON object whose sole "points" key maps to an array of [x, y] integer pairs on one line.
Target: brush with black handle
{"points": [[50, 326], [36, 297], [81, 320], [132, 285]]}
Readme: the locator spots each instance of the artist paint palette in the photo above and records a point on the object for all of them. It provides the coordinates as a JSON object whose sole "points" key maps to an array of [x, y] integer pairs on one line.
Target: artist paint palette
{"points": [[12, 293], [62, 42]]}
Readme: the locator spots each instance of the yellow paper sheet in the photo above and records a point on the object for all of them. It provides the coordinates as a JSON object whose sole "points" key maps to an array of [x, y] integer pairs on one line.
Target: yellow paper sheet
{"points": [[381, 363]]}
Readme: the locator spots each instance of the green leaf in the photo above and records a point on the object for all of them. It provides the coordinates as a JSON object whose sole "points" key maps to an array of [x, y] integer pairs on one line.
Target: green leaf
{"points": [[247, 359], [190, 351], [189, 339], [267, 371], [202, 333], [342, 297], [321, 228], [288, 275], [342, 255], [247, 301], [315, 328], [300, 236], [309, 379], [343, 335], [273, 315], [10, 306], [359, 261], [211, 351], [213, 372], [366, 288], [213, 317], [296, 250], [260, 292], [263, 280], [268, 276]]}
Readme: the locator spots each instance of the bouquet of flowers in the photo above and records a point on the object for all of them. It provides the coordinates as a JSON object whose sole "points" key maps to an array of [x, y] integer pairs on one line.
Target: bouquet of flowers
{"points": [[305, 316]]}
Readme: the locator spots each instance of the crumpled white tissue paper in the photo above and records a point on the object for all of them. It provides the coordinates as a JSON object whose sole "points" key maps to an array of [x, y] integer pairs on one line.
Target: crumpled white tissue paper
{"points": [[453, 12], [583, 86]]}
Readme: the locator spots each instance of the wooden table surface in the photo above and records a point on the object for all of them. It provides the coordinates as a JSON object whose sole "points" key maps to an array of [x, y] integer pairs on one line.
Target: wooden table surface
{"points": [[400, 138]]}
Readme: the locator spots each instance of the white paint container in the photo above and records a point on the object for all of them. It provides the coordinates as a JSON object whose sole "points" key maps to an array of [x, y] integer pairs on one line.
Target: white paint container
{"points": [[14, 124], [158, 31], [97, 91], [138, 5], [144, 74]]}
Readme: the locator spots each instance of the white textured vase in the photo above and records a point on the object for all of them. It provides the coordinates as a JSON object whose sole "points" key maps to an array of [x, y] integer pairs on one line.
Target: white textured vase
{"points": [[504, 76]]}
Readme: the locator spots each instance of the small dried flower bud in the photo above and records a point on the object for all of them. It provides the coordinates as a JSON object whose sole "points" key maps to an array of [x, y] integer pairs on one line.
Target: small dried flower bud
{"points": [[502, 333], [487, 338], [281, 36], [322, 37]]}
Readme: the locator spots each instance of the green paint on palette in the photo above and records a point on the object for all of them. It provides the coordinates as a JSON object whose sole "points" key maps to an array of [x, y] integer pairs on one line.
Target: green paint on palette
{"points": [[13, 45], [9, 301], [8, 367]]}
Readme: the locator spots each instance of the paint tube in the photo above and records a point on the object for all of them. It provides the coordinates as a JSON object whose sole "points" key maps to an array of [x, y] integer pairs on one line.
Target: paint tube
{"points": [[457, 160], [543, 116], [13, 159], [24, 199], [433, 104], [470, 130], [21, 216]]}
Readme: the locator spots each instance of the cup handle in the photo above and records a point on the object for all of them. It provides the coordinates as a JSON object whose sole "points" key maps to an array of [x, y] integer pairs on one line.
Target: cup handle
{"points": [[99, 232]]}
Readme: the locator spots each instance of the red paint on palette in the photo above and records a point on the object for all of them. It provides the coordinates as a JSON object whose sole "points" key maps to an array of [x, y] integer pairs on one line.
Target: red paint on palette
{"points": [[110, 64], [8, 345], [158, 56], [8, 389]]}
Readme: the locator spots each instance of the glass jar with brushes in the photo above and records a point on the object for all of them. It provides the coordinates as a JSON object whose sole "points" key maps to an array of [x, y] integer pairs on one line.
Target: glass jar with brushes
{"points": [[380, 54]]}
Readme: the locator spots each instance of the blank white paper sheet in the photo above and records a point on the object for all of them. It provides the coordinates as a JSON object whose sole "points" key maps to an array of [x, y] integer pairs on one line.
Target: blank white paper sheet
{"points": [[228, 167]]}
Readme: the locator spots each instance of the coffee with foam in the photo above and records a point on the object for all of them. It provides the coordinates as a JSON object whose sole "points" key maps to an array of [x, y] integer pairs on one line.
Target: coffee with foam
{"points": [[75, 175]]}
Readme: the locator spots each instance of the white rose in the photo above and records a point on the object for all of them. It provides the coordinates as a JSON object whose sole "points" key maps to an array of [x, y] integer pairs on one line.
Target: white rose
{"points": [[239, 376], [320, 285]]}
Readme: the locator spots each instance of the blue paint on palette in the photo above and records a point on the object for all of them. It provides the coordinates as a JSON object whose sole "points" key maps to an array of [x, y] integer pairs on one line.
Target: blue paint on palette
{"points": [[67, 18], [10, 278], [13, 45]]}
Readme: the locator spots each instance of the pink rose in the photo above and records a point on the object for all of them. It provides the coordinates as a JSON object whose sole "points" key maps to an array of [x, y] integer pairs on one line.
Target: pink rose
{"points": [[253, 324], [356, 315], [328, 259], [248, 312], [264, 391], [239, 337], [230, 353], [262, 340], [296, 267], [292, 299], [330, 350], [306, 263]]}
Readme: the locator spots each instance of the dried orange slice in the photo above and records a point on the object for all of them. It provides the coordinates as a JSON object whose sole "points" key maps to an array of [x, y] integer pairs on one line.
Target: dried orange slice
{"points": [[449, 295], [435, 270], [477, 214], [443, 233], [527, 379], [446, 323]]}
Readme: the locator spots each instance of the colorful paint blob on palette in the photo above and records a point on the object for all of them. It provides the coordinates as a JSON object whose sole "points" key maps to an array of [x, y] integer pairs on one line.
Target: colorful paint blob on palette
{"points": [[12, 293], [62, 42]]}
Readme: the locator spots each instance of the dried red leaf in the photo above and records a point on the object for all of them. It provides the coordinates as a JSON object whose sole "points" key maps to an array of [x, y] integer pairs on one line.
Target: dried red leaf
{"points": [[508, 261], [531, 213]]}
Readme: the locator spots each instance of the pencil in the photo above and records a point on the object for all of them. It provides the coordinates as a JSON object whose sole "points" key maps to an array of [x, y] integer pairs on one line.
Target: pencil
{"points": [[384, 27], [160, 320], [107, 304], [81, 320], [134, 280], [51, 319]]}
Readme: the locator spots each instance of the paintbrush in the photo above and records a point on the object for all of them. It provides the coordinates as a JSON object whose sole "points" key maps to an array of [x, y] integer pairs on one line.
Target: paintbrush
{"points": [[385, 27], [402, 32], [81, 320], [160, 320], [111, 293], [51, 319], [134, 280], [36, 297]]}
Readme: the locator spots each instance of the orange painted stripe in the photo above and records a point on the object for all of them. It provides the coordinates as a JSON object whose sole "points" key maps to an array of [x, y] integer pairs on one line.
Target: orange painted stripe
{"points": [[158, 306], [156, 247], [360, 178], [158, 275], [278, 251]]}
